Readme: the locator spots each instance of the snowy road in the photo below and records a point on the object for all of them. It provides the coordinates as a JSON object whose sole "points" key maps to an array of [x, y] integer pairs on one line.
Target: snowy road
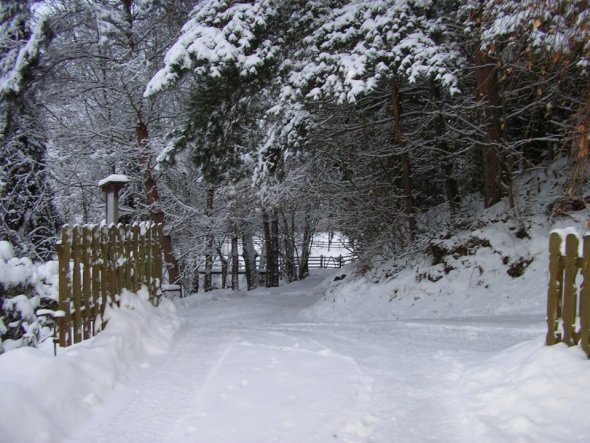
{"points": [[251, 369]]}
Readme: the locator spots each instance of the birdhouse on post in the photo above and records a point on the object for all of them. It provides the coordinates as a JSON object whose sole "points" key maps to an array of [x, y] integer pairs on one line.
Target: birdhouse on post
{"points": [[111, 187]]}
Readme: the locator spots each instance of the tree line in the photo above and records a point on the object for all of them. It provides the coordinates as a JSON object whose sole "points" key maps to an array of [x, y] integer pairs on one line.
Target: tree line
{"points": [[267, 119]]}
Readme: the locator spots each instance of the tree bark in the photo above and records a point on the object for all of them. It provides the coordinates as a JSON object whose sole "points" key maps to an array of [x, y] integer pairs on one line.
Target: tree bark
{"points": [[153, 200], [289, 247], [249, 254], [208, 283], [451, 186], [308, 230], [270, 227], [405, 161], [195, 288], [224, 266], [235, 264], [274, 235], [487, 90]]}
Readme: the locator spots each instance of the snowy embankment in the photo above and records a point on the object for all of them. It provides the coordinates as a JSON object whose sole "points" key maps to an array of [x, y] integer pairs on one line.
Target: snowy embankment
{"points": [[44, 397]]}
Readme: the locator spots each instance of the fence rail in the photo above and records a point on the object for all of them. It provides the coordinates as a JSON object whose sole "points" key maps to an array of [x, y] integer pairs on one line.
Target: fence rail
{"points": [[315, 262], [568, 305], [323, 262], [95, 264]]}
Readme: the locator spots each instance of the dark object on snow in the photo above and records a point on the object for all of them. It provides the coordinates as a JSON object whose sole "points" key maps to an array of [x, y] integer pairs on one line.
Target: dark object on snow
{"points": [[440, 251], [517, 268], [565, 205]]}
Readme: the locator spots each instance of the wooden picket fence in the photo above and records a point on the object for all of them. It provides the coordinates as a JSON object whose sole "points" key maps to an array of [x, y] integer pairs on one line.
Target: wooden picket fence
{"points": [[568, 304], [95, 264]]}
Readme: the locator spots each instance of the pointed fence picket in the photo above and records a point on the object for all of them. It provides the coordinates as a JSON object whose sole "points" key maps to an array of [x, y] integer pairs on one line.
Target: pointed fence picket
{"points": [[568, 304], [95, 264]]}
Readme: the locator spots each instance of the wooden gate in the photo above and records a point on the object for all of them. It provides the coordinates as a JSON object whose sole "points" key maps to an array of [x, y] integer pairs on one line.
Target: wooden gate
{"points": [[95, 264], [568, 304]]}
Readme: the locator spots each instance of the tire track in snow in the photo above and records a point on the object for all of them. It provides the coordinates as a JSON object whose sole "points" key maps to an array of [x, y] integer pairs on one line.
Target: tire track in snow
{"points": [[158, 395]]}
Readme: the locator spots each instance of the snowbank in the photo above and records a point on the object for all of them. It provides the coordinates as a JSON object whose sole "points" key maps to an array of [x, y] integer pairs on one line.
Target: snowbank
{"points": [[529, 393], [52, 395]]}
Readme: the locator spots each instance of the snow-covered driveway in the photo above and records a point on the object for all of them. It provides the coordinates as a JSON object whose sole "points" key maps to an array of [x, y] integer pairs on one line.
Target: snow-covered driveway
{"points": [[252, 369]]}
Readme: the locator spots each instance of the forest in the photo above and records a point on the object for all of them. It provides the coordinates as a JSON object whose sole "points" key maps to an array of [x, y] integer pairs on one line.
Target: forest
{"points": [[259, 123]]}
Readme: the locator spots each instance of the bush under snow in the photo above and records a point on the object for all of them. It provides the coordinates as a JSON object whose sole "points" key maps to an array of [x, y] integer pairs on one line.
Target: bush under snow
{"points": [[25, 287]]}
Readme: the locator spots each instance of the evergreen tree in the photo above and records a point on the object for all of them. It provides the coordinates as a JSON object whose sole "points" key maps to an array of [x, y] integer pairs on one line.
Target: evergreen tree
{"points": [[29, 219]]}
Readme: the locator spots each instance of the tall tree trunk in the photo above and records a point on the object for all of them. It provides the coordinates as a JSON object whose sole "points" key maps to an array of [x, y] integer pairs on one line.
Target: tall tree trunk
{"points": [[405, 161], [451, 186], [487, 90], [151, 189], [289, 270], [208, 283], [249, 254], [270, 228], [308, 230], [235, 263], [224, 266], [195, 288], [274, 236], [267, 248], [579, 156], [153, 200]]}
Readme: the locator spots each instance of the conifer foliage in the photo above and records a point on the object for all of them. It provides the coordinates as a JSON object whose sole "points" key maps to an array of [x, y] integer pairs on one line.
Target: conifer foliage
{"points": [[29, 219]]}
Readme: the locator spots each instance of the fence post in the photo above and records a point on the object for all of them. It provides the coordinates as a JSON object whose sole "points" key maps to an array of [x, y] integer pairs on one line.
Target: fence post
{"points": [[156, 254], [85, 300], [96, 268], [555, 290], [585, 299], [569, 289], [76, 290], [135, 249], [112, 264], [65, 294], [147, 255], [120, 258], [105, 283]]}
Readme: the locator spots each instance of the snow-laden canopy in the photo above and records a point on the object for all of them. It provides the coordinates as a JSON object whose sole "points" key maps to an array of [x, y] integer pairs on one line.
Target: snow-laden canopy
{"points": [[221, 34], [18, 50], [367, 41], [559, 27], [287, 56]]}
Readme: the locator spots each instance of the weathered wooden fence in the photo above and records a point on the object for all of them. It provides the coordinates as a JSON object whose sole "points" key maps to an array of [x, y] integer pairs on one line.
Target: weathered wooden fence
{"points": [[325, 261], [568, 304], [95, 264], [315, 262]]}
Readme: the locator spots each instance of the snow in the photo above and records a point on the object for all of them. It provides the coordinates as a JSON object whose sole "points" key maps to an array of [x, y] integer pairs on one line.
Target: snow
{"points": [[44, 397], [114, 178], [331, 358], [6, 250]]}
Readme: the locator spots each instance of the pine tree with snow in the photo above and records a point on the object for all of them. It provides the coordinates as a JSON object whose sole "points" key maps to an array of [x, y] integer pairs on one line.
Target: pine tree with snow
{"points": [[29, 219]]}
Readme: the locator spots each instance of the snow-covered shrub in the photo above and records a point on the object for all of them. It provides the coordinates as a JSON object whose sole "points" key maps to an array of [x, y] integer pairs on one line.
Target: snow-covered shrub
{"points": [[25, 287]]}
